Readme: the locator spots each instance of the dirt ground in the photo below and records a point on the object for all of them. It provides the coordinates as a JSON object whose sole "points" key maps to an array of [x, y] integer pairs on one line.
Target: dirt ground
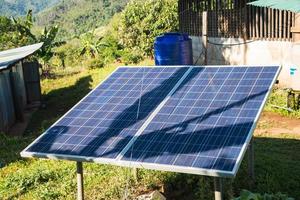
{"points": [[272, 124]]}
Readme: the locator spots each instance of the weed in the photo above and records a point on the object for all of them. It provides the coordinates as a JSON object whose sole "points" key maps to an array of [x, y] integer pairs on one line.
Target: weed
{"points": [[28, 179], [277, 101]]}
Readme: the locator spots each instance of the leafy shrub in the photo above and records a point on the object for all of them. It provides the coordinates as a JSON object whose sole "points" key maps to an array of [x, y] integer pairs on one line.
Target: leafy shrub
{"points": [[142, 21], [94, 63], [67, 53], [12, 33], [247, 195], [109, 49], [128, 38], [130, 56]]}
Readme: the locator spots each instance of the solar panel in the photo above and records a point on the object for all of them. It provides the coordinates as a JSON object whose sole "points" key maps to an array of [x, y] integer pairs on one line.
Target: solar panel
{"points": [[207, 122], [195, 120], [105, 120]]}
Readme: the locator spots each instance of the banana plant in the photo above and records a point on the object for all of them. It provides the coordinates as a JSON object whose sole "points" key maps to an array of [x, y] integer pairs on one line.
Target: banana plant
{"points": [[89, 45], [47, 37], [24, 26], [46, 52]]}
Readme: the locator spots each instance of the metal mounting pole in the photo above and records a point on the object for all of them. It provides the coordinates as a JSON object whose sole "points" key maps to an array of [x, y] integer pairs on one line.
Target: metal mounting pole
{"points": [[135, 172], [204, 35], [80, 194], [218, 188], [251, 160]]}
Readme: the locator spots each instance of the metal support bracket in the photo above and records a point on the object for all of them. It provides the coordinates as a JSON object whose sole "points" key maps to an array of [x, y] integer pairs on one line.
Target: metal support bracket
{"points": [[251, 160], [135, 173]]}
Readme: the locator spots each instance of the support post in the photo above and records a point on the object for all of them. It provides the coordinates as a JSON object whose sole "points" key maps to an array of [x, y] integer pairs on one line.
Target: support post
{"points": [[218, 188], [80, 193], [251, 160], [135, 174], [204, 35]]}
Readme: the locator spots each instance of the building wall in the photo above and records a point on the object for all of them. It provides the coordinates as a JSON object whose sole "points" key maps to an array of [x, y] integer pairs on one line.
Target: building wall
{"points": [[260, 52], [19, 84], [7, 110]]}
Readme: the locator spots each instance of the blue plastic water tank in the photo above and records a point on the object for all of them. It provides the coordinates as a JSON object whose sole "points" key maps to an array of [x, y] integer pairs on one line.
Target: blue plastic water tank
{"points": [[173, 49]]}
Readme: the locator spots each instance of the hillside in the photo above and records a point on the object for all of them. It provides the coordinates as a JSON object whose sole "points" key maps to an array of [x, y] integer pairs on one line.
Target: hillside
{"points": [[20, 7], [78, 16]]}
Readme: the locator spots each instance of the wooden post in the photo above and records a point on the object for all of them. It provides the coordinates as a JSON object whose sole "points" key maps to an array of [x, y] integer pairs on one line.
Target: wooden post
{"points": [[296, 29], [204, 35]]}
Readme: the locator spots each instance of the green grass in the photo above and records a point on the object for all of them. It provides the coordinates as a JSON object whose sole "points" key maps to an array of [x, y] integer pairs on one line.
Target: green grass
{"points": [[279, 98], [277, 160], [10, 148]]}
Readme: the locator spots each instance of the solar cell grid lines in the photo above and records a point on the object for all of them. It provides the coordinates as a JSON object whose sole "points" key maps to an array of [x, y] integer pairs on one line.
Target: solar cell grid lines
{"points": [[185, 119], [206, 123], [103, 122]]}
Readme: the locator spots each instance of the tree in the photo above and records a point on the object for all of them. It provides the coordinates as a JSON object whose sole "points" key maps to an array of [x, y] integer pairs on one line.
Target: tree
{"points": [[142, 21], [23, 28], [46, 52], [16, 32], [89, 45]]}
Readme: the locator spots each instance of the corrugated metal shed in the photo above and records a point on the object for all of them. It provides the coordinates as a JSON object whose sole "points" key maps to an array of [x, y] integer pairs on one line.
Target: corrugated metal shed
{"points": [[13, 98], [7, 109], [11, 56], [32, 81], [18, 89]]}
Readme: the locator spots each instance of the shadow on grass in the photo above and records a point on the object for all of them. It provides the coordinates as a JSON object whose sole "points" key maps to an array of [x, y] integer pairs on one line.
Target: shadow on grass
{"points": [[53, 75], [11, 147], [57, 103], [277, 169]]}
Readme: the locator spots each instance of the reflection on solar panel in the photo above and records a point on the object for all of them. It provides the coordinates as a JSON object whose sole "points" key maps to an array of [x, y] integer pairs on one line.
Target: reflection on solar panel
{"points": [[189, 119], [107, 118], [206, 123]]}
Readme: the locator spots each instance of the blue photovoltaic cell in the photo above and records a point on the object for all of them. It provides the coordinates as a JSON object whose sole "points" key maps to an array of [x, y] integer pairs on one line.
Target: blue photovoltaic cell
{"points": [[205, 123], [207, 120], [106, 119]]}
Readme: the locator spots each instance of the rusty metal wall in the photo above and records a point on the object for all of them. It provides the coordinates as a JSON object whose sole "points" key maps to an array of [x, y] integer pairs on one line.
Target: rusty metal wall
{"points": [[7, 111], [18, 90], [13, 95], [32, 81]]}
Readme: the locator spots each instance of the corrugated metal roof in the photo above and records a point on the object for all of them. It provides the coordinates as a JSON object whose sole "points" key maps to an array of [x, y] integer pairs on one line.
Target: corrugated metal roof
{"points": [[11, 56], [291, 5]]}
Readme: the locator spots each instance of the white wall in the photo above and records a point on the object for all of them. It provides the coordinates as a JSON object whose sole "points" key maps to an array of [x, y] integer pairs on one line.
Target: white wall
{"points": [[249, 52]]}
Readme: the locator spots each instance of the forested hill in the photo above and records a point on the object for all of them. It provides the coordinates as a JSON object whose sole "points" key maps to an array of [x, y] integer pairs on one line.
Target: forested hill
{"points": [[20, 7], [75, 17]]}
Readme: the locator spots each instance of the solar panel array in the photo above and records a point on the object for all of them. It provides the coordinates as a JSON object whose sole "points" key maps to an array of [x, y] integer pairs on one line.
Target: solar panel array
{"points": [[104, 121], [206, 122], [185, 119]]}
